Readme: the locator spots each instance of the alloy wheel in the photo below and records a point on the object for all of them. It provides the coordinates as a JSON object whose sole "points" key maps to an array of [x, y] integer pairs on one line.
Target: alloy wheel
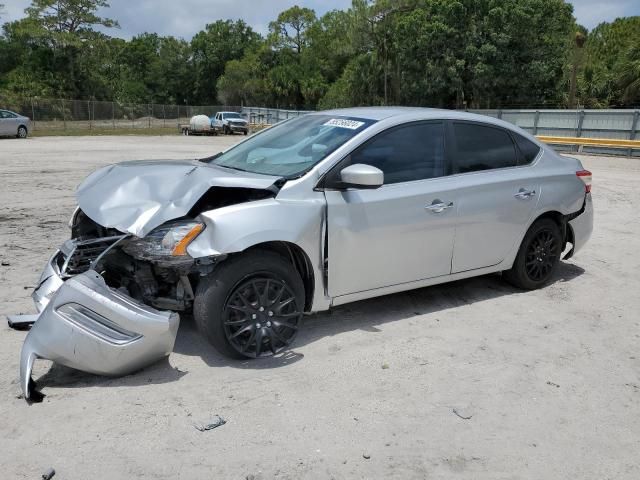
{"points": [[542, 254], [261, 317]]}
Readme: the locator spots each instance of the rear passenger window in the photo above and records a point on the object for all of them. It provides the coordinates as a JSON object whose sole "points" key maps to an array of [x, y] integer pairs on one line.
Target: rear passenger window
{"points": [[482, 148], [529, 150], [407, 153]]}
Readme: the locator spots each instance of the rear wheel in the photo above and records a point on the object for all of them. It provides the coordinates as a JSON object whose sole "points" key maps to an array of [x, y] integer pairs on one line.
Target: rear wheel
{"points": [[22, 132], [538, 257], [251, 306]]}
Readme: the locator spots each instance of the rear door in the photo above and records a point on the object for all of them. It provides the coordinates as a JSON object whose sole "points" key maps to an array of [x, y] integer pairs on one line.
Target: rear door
{"points": [[394, 234], [497, 194]]}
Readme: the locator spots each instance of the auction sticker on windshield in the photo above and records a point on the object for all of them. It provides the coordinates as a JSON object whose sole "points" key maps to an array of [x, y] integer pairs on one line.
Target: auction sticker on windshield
{"points": [[344, 123]]}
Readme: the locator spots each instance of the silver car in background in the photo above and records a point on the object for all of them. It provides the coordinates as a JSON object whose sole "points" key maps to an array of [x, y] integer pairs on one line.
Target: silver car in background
{"points": [[14, 125], [325, 209]]}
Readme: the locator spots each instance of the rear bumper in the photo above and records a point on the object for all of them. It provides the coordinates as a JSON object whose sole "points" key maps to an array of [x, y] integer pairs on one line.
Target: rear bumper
{"points": [[88, 326], [582, 226]]}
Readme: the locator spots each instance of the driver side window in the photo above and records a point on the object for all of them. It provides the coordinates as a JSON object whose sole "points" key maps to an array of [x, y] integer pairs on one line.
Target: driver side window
{"points": [[406, 153]]}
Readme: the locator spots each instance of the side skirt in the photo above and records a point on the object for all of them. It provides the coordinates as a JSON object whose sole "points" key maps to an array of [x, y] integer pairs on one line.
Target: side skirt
{"points": [[378, 292]]}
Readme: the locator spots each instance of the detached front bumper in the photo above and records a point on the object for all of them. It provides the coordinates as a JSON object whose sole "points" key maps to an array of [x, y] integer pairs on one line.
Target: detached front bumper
{"points": [[86, 325]]}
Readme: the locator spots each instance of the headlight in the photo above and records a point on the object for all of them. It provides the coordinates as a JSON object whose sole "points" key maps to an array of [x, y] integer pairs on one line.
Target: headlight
{"points": [[168, 240], [179, 237]]}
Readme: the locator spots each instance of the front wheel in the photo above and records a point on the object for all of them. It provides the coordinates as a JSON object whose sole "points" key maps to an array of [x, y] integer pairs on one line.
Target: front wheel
{"points": [[538, 257], [22, 132], [250, 306]]}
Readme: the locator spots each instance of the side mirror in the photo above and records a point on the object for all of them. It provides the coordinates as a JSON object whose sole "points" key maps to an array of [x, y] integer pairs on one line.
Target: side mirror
{"points": [[360, 175]]}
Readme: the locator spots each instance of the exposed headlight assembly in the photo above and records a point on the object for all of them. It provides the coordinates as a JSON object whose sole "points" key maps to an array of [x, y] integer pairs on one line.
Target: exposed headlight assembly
{"points": [[168, 241]]}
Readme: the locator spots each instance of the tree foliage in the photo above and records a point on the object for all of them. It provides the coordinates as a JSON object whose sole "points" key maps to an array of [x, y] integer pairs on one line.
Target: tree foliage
{"points": [[446, 53], [611, 75]]}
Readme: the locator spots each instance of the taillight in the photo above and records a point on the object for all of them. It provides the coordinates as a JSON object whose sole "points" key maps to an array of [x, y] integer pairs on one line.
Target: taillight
{"points": [[585, 176]]}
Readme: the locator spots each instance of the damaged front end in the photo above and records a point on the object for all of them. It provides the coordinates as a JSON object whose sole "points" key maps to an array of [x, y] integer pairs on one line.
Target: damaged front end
{"points": [[103, 311], [107, 298]]}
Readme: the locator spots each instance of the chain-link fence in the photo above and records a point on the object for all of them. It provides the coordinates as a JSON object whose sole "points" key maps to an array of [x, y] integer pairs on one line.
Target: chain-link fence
{"points": [[58, 114]]}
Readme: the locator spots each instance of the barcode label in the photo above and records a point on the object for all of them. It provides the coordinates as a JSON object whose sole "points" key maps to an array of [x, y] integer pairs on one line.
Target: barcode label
{"points": [[343, 123]]}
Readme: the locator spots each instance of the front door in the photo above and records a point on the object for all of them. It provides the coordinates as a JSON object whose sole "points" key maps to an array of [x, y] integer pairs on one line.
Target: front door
{"points": [[402, 231]]}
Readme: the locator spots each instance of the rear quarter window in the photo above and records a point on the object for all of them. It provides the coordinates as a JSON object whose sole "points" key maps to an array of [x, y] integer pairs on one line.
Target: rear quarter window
{"points": [[528, 150]]}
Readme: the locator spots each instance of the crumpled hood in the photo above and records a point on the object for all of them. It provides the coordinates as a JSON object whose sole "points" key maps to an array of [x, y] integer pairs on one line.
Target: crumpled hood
{"points": [[136, 197]]}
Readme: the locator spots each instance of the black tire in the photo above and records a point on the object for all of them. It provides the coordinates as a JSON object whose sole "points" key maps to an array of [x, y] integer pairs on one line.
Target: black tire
{"points": [[538, 256], [226, 130], [22, 132], [246, 132], [234, 306]]}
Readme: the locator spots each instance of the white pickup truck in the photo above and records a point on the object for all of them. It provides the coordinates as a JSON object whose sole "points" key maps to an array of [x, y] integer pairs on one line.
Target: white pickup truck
{"points": [[230, 122]]}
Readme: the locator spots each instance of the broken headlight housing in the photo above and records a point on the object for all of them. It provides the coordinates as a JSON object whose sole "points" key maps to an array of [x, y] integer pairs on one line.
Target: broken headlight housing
{"points": [[168, 241]]}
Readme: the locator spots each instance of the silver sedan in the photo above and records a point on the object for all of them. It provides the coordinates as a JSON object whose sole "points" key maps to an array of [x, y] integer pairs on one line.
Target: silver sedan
{"points": [[318, 211], [14, 125]]}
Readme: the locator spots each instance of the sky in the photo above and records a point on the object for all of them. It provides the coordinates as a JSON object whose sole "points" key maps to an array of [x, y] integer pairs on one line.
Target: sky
{"points": [[183, 18]]}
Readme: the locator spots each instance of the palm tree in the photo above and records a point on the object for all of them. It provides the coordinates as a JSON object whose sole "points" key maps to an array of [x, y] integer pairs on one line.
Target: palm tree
{"points": [[630, 75]]}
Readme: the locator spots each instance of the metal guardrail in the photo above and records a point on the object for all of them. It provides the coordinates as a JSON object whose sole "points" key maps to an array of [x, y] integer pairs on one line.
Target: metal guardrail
{"points": [[607, 146], [596, 142]]}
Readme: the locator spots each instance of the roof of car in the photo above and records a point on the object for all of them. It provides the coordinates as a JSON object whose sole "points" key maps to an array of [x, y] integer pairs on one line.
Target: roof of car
{"points": [[380, 113], [413, 113]]}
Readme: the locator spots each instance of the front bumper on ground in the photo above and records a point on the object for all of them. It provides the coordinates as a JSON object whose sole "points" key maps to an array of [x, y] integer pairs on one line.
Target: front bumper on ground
{"points": [[85, 324]]}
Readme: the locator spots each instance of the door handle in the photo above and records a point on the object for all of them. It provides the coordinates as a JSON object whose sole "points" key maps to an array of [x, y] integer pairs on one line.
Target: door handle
{"points": [[438, 206], [524, 194]]}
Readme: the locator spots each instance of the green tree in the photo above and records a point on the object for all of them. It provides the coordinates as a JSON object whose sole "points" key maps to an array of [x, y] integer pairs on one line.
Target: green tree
{"points": [[289, 31], [67, 22], [630, 76], [291, 77], [611, 57], [219, 43], [244, 82], [51, 44]]}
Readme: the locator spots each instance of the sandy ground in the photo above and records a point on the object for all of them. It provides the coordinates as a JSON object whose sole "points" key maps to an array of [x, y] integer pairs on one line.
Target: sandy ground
{"points": [[549, 379]]}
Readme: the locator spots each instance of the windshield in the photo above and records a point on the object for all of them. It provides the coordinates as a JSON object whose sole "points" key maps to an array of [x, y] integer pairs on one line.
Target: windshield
{"points": [[231, 115], [291, 148]]}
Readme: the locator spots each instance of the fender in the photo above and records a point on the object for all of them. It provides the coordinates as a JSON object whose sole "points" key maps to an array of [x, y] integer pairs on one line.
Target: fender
{"points": [[236, 228]]}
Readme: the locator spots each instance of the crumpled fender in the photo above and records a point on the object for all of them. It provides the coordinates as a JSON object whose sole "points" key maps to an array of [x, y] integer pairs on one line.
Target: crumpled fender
{"points": [[90, 327], [237, 227]]}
